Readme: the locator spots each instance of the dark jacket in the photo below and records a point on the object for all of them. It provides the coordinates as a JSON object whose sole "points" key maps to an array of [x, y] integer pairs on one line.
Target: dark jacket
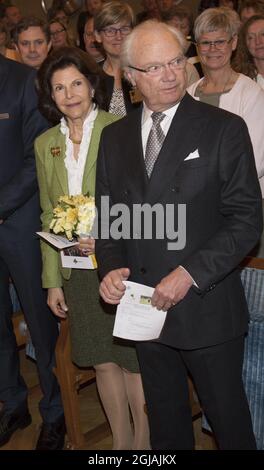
{"points": [[20, 123], [222, 197], [127, 89]]}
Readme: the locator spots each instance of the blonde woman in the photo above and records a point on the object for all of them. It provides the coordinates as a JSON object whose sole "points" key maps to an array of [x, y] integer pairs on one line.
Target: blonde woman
{"points": [[216, 31]]}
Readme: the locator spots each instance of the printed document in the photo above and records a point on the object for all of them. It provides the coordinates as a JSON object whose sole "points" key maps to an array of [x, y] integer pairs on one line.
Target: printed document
{"points": [[71, 256], [136, 319], [57, 240]]}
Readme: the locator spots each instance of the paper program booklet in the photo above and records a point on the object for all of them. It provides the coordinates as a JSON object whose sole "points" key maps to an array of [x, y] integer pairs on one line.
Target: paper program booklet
{"points": [[71, 257], [136, 319]]}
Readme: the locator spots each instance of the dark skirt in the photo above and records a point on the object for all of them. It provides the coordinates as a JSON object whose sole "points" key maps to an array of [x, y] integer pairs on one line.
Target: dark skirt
{"points": [[91, 323]]}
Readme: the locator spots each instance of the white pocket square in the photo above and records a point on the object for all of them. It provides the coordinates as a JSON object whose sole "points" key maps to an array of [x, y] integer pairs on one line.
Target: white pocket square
{"points": [[192, 155]]}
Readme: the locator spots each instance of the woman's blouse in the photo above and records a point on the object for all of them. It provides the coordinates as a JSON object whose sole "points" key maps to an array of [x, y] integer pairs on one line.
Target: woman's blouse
{"points": [[211, 98], [75, 168], [260, 80], [117, 104]]}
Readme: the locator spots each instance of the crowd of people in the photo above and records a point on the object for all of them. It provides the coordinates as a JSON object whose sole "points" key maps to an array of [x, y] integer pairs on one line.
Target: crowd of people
{"points": [[149, 108]]}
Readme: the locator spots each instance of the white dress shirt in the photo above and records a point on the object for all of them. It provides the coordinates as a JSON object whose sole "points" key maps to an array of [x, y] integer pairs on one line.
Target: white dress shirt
{"points": [[147, 122]]}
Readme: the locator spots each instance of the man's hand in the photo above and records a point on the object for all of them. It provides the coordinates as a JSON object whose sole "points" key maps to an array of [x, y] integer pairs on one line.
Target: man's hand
{"points": [[1, 221], [172, 289], [56, 302], [112, 288]]}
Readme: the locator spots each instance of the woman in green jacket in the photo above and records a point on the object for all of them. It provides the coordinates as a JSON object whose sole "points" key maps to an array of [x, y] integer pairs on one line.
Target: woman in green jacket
{"points": [[69, 84]]}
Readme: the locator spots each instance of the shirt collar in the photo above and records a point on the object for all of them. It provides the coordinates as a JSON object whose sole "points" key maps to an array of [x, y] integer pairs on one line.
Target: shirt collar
{"points": [[168, 112], [89, 121]]}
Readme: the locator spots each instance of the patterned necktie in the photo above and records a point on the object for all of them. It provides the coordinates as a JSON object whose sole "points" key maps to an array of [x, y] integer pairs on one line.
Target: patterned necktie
{"points": [[154, 143]]}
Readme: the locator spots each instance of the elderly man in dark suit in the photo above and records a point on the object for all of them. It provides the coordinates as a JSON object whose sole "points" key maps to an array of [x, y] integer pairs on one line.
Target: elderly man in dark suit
{"points": [[20, 124], [178, 151]]}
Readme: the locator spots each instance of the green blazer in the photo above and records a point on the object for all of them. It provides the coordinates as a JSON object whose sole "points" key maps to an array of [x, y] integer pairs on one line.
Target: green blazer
{"points": [[53, 183]]}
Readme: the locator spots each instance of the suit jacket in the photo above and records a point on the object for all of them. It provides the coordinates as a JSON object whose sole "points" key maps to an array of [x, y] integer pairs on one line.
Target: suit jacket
{"points": [[20, 124], [53, 183], [223, 215]]}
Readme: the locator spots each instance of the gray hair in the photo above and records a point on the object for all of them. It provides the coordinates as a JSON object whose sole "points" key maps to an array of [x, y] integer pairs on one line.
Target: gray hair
{"points": [[149, 25], [213, 19]]}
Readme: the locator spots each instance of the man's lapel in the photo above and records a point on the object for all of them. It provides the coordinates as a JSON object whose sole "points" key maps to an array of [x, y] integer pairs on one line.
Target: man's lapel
{"points": [[181, 140], [134, 158]]}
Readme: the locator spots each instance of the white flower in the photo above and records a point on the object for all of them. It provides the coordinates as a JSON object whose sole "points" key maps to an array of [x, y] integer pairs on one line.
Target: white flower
{"points": [[74, 215]]}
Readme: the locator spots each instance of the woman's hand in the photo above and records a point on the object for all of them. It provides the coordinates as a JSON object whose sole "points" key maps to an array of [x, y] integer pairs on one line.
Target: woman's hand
{"points": [[56, 302], [86, 245]]}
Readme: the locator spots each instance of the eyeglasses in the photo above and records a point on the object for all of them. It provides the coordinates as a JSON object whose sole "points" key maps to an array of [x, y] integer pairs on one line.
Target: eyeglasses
{"points": [[218, 44], [111, 32], [55, 33], [175, 64]]}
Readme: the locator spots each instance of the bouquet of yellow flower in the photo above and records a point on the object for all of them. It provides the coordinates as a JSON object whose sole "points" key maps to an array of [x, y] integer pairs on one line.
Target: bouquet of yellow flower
{"points": [[73, 216]]}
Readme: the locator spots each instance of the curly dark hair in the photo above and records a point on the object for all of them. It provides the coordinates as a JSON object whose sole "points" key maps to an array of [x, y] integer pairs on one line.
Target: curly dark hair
{"points": [[243, 61], [60, 59]]}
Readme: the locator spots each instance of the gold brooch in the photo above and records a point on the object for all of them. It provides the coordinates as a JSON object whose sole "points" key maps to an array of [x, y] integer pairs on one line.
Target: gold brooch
{"points": [[55, 151]]}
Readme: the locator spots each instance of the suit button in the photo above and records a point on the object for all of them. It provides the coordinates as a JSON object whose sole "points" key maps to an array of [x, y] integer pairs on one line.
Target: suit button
{"points": [[175, 190], [143, 270], [211, 287]]}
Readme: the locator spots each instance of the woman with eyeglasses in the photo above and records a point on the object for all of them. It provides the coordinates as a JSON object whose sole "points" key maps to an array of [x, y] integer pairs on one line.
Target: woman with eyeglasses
{"points": [[112, 24], [216, 31], [58, 34]]}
